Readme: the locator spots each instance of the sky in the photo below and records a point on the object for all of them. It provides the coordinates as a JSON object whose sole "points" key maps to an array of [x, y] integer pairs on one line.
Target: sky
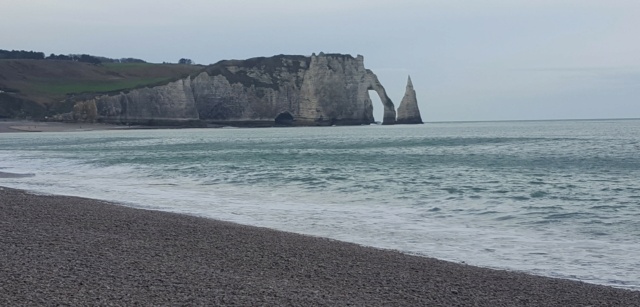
{"points": [[468, 60]]}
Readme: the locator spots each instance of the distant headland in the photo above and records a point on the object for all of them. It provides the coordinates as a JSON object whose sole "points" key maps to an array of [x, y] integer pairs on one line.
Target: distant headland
{"points": [[282, 90]]}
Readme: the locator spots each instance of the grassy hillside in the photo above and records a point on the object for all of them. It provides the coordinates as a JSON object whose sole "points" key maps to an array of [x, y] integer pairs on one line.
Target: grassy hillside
{"points": [[35, 88]]}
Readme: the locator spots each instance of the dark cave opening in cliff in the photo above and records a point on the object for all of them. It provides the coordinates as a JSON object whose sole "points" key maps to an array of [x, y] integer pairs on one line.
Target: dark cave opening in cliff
{"points": [[378, 108], [284, 119]]}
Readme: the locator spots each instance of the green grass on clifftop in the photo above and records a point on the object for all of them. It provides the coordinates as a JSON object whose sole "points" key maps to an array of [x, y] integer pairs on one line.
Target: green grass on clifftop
{"points": [[63, 87], [46, 83]]}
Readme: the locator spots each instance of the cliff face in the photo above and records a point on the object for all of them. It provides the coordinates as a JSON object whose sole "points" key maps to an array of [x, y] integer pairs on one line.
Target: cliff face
{"points": [[336, 89], [285, 90], [168, 103], [251, 92]]}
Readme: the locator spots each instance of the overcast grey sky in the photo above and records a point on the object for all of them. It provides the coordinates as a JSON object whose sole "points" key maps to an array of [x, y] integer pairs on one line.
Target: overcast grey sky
{"points": [[469, 60]]}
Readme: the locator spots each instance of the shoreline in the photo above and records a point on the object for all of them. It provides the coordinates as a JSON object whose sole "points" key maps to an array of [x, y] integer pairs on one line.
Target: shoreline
{"points": [[70, 250], [15, 126]]}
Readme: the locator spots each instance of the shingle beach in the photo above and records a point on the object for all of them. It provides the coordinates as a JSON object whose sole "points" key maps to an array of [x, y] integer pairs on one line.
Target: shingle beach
{"points": [[58, 250]]}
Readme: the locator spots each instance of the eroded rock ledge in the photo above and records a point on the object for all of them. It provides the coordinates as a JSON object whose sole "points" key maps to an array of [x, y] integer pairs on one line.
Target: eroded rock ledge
{"points": [[324, 89]]}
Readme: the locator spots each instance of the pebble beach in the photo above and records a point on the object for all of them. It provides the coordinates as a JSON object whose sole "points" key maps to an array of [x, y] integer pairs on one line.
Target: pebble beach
{"points": [[59, 250]]}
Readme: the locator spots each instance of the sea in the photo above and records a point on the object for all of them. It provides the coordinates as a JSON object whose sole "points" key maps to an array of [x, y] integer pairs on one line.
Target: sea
{"points": [[552, 198]]}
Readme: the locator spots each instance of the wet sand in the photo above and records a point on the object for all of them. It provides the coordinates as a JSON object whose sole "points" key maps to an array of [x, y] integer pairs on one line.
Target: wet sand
{"points": [[58, 250]]}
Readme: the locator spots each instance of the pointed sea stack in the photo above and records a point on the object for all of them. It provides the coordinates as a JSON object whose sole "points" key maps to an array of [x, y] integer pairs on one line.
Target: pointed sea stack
{"points": [[408, 112]]}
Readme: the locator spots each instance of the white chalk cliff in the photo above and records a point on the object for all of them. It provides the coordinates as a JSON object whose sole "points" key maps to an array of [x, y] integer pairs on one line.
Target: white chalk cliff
{"points": [[324, 89]]}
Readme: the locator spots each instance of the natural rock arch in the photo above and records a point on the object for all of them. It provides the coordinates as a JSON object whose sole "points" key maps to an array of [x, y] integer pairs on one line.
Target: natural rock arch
{"points": [[373, 84]]}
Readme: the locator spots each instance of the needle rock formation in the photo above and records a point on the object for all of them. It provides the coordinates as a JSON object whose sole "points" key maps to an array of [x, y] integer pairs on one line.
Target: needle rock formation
{"points": [[408, 112]]}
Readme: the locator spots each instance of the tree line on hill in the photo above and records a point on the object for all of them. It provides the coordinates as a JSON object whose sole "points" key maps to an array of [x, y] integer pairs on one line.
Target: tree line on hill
{"points": [[33, 55], [21, 54]]}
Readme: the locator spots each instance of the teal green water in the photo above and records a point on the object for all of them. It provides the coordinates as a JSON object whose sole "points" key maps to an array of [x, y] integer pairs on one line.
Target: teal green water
{"points": [[556, 198]]}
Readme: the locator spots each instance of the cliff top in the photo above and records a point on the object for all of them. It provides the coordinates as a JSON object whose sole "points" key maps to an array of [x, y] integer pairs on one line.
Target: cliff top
{"points": [[235, 70]]}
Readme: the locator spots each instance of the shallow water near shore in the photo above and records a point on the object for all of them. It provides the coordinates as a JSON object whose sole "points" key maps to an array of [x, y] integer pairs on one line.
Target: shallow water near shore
{"points": [[554, 198]]}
